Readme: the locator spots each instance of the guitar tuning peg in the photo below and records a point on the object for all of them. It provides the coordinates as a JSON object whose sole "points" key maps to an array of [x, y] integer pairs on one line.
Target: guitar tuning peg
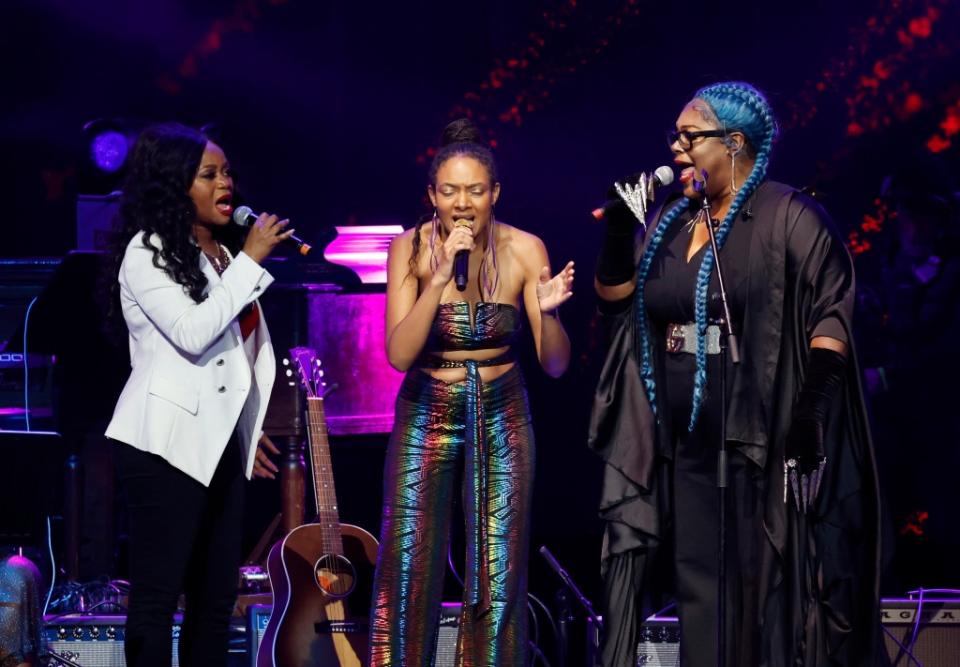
{"points": [[289, 373], [320, 373], [286, 362]]}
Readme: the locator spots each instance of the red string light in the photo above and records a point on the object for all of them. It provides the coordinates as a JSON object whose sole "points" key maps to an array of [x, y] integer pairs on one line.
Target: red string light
{"points": [[522, 83], [949, 127], [245, 13], [914, 525], [884, 90]]}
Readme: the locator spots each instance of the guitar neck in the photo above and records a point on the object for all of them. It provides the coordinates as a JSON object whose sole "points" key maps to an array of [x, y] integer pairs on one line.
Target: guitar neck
{"points": [[325, 493]]}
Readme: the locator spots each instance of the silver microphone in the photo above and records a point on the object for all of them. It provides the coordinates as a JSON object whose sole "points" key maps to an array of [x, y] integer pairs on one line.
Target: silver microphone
{"points": [[245, 217], [662, 175]]}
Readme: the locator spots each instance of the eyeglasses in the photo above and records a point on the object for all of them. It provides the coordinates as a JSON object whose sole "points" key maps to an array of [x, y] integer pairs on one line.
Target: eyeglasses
{"points": [[684, 138]]}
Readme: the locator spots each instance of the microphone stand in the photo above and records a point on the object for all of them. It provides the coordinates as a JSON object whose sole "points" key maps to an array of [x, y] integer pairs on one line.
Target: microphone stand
{"points": [[727, 340], [577, 595]]}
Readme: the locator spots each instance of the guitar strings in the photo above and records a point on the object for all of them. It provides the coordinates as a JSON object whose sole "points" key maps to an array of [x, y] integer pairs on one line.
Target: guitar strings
{"points": [[315, 424]]}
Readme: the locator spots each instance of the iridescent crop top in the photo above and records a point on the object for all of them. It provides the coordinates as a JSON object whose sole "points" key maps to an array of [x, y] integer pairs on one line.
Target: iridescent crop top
{"points": [[496, 325]]}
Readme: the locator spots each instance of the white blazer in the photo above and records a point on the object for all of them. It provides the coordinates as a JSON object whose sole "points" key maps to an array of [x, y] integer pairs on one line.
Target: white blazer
{"points": [[191, 381]]}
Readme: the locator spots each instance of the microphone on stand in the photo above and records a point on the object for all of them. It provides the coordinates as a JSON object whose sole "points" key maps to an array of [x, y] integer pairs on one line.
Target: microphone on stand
{"points": [[245, 217], [461, 261], [663, 175]]}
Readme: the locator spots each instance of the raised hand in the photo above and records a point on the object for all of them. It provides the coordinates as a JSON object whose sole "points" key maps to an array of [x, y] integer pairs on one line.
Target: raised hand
{"points": [[265, 235], [551, 292]]}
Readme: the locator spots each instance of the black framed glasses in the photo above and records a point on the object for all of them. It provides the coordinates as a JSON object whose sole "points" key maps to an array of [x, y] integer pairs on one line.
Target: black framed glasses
{"points": [[684, 138]]}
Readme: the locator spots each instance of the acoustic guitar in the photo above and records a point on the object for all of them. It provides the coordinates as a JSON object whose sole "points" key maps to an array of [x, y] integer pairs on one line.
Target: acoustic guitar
{"points": [[321, 573]]}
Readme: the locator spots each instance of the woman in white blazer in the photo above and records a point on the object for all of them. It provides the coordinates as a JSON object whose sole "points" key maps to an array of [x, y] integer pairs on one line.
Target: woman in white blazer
{"points": [[188, 420]]}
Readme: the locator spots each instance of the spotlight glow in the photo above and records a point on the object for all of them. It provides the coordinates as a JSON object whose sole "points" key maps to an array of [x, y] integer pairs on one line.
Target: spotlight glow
{"points": [[109, 150]]}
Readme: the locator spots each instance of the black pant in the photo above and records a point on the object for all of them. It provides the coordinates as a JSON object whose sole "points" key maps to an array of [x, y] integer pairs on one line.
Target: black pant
{"points": [[183, 537], [695, 521]]}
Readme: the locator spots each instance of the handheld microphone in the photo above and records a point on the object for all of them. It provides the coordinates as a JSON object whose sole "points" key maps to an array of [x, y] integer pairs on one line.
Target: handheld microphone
{"points": [[663, 175], [461, 261], [245, 217]]}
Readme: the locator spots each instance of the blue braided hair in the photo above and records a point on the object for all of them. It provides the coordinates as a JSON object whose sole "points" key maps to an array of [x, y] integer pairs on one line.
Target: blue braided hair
{"points": [[738, 107], [642, 330]]}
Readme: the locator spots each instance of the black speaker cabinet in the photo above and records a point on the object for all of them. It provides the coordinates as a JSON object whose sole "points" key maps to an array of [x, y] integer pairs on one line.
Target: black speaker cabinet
{"points": [[926, 634]]}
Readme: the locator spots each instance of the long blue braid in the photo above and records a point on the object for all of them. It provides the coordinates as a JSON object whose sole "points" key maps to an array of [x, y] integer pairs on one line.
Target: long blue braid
{"points": [[738, 107], [643, 329]]}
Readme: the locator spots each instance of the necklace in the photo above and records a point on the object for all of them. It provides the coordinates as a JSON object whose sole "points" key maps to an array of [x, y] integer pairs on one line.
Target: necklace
{"points": [[695, 220], [220, 261]]}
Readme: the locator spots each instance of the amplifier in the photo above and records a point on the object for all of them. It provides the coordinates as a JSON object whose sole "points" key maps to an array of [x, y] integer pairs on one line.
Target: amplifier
{"points": [[937, 626], [446, 651], [659, 644], [257, 617], [93, 641]]}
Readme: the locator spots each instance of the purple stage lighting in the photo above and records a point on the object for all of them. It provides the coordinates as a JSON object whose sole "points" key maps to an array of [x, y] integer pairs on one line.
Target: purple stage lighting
{"points": [[108, 150], [363, 248]]}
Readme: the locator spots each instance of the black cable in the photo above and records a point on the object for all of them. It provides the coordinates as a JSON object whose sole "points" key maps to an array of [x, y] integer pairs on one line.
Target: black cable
{"points": [[546, 611], [533, 645]]}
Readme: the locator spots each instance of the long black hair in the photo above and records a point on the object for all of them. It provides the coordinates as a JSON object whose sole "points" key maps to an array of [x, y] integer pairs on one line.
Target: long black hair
{"points": [[156, 203]]}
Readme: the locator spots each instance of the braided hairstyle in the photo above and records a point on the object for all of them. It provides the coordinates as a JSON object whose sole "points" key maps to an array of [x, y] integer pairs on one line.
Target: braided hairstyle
{"points": [[738, 107], [156, 200], [461, 138]]}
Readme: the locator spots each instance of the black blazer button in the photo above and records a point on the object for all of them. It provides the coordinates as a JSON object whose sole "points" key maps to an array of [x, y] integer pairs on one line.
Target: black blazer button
{"points": [[222, 389]]}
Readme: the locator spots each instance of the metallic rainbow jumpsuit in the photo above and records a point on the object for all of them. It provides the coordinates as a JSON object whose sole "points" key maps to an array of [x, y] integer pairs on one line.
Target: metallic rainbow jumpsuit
{"points": [[484, 429]]}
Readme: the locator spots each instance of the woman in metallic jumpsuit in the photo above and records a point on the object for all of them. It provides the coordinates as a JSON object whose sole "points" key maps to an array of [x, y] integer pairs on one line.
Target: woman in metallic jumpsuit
{"points": [[462, 406]]}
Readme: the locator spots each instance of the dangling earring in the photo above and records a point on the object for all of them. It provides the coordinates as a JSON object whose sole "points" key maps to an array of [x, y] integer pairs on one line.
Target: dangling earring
{"points": [[491, 285], [733, 172], [434, 227], [490, 237], [434, 233]]}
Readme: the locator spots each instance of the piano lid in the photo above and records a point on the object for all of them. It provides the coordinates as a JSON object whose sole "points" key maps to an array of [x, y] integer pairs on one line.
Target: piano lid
{"points": [[363, 249]]}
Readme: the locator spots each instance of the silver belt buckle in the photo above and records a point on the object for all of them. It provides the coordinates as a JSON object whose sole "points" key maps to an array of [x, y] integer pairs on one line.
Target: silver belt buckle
{"points": [[675, 338], [713, 339]]}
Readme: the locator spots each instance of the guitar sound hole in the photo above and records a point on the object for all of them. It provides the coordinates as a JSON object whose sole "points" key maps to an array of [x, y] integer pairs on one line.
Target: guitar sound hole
{"points": [[335, 575]]}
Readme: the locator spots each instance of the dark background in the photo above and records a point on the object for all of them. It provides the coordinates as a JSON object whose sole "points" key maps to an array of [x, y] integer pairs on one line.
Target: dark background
{"points": [[327, 110]]}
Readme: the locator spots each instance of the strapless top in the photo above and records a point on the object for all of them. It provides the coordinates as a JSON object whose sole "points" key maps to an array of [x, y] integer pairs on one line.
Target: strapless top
{"points": [[495, 325]]}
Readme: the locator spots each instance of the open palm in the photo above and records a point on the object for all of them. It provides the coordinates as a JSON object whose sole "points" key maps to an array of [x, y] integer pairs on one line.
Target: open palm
{"points": [[551, 292]]}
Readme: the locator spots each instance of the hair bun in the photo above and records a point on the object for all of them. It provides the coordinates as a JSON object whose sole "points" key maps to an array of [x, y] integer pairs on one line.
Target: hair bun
{"points": [[461, 131]]}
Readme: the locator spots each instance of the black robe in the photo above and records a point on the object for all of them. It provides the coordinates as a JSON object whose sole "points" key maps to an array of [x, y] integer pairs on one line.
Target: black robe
{"points": [[820, 574]]}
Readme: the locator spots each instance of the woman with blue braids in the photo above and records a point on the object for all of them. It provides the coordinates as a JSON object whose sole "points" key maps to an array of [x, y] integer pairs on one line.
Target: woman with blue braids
{"points": [[803, 526]]}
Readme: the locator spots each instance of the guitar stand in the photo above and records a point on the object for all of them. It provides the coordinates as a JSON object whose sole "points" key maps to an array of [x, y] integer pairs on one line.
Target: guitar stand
{"points": [[258, 555], [252, 578]]}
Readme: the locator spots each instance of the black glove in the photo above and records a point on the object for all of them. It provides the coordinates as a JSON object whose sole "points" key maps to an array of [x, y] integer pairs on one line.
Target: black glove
{"points": [[615, 265], [804, 453]]}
